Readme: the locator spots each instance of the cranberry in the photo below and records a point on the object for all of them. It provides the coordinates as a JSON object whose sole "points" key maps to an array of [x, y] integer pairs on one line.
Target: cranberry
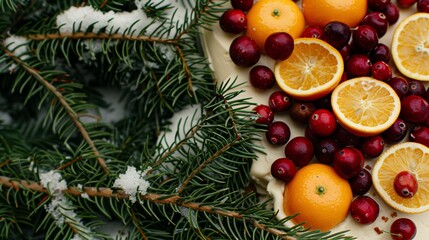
{"points": [[243, 5], [405, 184], [283, 169], [358, 65], [345, 51], [344, 138], [300, 150], [262, 77], [420, 134], [325, 150], [364, 210], [301, 111], [378, 5], [233, 21], [279, 101], [279, 45], [378, 21], [361, 183], [324, 102], [365, 38], [265, 114], [423, 6], [380, 52], [278, 133], [396, 132], [372, 146], [348, 162], [392, 13], [405, 3], [337, 34], [403, 229], [414, 109], [400, 85], [311, 136], [417, 87], [312, 32], [244, 51], [381, 71], [322, 122]]}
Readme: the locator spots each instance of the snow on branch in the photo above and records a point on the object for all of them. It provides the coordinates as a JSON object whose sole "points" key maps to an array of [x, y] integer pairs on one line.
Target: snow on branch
{"points": [[133, 182]]}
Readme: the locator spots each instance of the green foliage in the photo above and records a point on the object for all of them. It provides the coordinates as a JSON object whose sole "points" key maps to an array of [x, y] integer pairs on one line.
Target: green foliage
{"points": [[55, 90]]}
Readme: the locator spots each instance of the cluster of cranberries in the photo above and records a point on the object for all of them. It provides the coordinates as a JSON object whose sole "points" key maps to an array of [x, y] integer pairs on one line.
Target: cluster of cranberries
{"points": [[324, 139]]}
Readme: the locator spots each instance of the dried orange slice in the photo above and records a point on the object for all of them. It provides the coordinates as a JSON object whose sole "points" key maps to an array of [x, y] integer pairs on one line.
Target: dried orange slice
{"points": [[410, 46], [407, 156], [312, 71]]}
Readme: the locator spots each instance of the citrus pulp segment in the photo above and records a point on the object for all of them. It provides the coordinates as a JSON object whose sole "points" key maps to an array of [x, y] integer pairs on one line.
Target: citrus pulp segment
{"points": [[410, 46], [312, 71], [365, 106], [407, 156]]}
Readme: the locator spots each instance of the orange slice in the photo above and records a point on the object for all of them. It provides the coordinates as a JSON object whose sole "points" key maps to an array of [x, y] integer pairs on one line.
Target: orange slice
{"points": [[365, 106], [407, 156], [312, 71], [410, 46]]}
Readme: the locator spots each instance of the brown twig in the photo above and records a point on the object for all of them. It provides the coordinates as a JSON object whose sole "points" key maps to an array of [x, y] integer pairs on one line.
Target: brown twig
{"points": [[135, 220]]}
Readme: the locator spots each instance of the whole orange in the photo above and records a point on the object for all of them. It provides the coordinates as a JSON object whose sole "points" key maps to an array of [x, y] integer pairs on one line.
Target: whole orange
{"points": [[321, 12], [270, 16], [319, 196]]}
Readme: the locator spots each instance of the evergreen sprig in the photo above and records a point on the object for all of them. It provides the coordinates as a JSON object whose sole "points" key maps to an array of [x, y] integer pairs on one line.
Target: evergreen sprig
{"points": [[54, 89]]}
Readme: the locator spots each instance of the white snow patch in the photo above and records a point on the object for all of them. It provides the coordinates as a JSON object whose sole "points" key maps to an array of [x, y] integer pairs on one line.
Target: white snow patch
{"points": [[18, 45], [133, 182]]}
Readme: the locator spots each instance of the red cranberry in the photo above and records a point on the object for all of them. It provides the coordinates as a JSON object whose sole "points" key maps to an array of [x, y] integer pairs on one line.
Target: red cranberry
{"points": [[365, 38], [380, 52], [423, 6], [244, 51], [405, 3], [265, 114], [344, 138], [414, 109], [396, 132], [283, 169], [301, 111], [311, 136], [405, 184], [322, 122], [364, 210], [312, 32], [279, 101], [417, 87], [262, 77], [348, 162], [392, 13], [300, 150], [361, 183], [381, 71], [378, 5], [372, 146], [400, 85], [378, 21], [337, 34], [420, 134], [358, 65], [233, 21], [279, 45], [345, 51], [278, 133], [403, 229], [324, 102], [325, 150], [243, 5]]}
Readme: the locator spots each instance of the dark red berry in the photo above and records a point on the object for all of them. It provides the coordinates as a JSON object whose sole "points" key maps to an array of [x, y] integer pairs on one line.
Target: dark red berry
{"points": [[396, 132], [244, 51], [322, 122], [381, 71], [301, 111], [420, 134], [423, 6], [265, 114], [337, 34], [344, 138], [378, 21], [405, 184], [311, 136], [416, 87], [358, 65], [392, 13], [378, 5], [348, 162], [414, 109], [361, 183], [324, 102], [312, 32], [278, 133], [283, 169], [400, 85], [405, 3], [364, 38], [325, 150], [300, 150], [233, 21], [380, 52], [372, 146], [364, 210], [279, 101], [403, 229], [279, 45], [345, 51], [262, 77], [243, 5]]}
